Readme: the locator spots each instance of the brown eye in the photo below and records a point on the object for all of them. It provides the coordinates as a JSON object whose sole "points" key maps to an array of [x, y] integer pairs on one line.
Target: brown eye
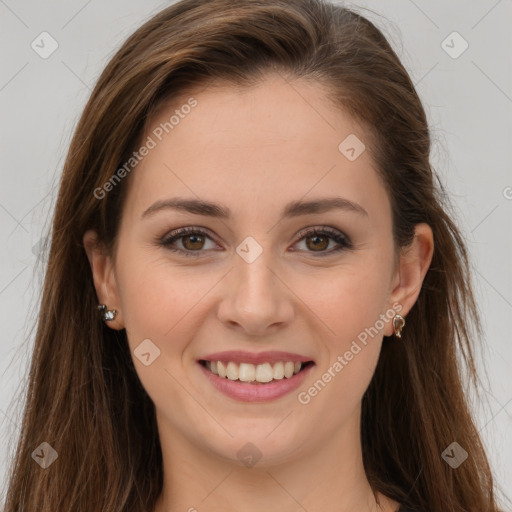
{"points": [[187, 241], [196, 242], [320, 242], [193, 241], [317, 241]]}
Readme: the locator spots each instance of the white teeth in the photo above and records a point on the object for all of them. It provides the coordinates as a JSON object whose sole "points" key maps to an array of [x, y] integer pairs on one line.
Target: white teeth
{"points": [[264, 372], [288, 369], [247, 372], [221, 369], [232, 371], [278, 370]]}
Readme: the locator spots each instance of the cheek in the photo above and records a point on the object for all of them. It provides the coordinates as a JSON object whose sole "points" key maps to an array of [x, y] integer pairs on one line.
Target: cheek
{"points": [[160, 311], [352, 346], [163, 302], [347, 300], [154, 301], [350, 308]]}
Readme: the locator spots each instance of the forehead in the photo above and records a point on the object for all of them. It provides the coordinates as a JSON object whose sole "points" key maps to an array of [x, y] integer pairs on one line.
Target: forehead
{"points": [[256, 148]]}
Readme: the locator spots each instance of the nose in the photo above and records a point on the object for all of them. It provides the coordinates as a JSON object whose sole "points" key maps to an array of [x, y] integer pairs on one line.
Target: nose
{"points": [[255, 299]]}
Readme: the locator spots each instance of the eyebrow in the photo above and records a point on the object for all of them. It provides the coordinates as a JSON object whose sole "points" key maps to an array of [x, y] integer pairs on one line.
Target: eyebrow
{"points": [[292, 209]]}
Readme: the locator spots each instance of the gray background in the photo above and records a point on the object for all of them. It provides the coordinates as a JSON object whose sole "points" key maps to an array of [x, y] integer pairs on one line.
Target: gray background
{"points": [[468, 100]]}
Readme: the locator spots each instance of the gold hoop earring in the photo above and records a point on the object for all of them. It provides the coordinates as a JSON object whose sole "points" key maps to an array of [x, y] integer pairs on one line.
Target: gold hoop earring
{"points": [[398, 324], [107, 314]]}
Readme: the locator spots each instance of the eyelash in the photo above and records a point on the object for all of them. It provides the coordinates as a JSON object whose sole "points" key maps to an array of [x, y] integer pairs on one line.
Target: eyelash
{"points": [[343, 241]]}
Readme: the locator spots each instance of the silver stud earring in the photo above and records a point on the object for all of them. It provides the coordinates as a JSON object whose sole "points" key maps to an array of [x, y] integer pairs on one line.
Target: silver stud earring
{"points": [[398, 324], [107, 314]]}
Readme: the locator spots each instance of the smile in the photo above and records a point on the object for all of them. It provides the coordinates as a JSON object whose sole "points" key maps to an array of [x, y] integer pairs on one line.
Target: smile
{"points": [[261, 373], [255, 382]]}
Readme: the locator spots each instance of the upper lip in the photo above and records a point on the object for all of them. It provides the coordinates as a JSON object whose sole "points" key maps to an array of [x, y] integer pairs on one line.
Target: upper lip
{"points": [[240, 356]]}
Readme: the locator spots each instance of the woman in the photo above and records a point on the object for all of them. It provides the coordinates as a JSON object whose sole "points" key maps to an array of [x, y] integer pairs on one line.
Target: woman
{"points": [[255, 292]]}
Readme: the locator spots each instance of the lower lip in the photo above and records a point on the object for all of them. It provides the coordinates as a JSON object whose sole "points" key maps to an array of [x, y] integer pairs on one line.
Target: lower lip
{"points": [[246, 392]]}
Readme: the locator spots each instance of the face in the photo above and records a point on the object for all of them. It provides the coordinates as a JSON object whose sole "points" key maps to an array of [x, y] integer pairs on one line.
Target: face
{"points": [[265, 271]]}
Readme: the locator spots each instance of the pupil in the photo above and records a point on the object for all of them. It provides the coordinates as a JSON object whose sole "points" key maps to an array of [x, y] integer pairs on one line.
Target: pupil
{"points": [[315, 244], [195, 239]]}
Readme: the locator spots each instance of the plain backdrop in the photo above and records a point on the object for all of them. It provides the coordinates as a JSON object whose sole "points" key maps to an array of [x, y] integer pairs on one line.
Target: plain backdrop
{"points": [[463, 79]]}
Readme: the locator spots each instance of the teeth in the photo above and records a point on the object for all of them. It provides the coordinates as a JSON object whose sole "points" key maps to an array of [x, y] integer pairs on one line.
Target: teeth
{"points": [[288, 369], [247, 372], [264, 372], [278, 370], [221, 369], [232, 371], [213, 367]]}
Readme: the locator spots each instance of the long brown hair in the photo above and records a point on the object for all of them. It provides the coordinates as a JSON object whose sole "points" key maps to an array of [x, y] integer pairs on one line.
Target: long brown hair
{"points": [[84, 397]]}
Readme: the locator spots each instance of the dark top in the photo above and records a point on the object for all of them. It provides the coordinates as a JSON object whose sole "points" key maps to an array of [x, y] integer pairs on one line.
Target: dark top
{"points": [[405, 509]]}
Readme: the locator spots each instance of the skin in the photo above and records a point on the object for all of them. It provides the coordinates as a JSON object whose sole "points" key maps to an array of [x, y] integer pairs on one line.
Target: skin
{"points": [[253, 150]]}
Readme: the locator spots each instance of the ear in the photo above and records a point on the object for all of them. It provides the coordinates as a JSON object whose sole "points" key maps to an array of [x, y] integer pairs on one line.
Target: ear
{"points": [[103, 276], [411, 270]]}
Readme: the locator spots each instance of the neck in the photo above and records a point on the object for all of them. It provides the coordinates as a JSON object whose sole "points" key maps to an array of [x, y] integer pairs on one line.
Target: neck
{"points": [[327, 477]]}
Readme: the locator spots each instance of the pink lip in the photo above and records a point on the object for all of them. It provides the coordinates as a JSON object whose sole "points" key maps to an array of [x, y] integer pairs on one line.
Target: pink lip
{"points": [[239, 356], [247, 392]]}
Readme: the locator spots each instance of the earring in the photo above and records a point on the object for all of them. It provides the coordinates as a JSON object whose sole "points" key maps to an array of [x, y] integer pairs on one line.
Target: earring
{"points": [[398, 324], [107, 314]]}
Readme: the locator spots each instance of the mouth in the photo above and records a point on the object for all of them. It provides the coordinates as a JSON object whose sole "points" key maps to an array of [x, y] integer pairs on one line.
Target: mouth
{"points": [[249, 382], [255, 374]]}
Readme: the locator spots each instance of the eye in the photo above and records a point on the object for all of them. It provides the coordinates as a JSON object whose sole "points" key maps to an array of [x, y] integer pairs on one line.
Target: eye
{"points": [[193, 240], [321, 237]]}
